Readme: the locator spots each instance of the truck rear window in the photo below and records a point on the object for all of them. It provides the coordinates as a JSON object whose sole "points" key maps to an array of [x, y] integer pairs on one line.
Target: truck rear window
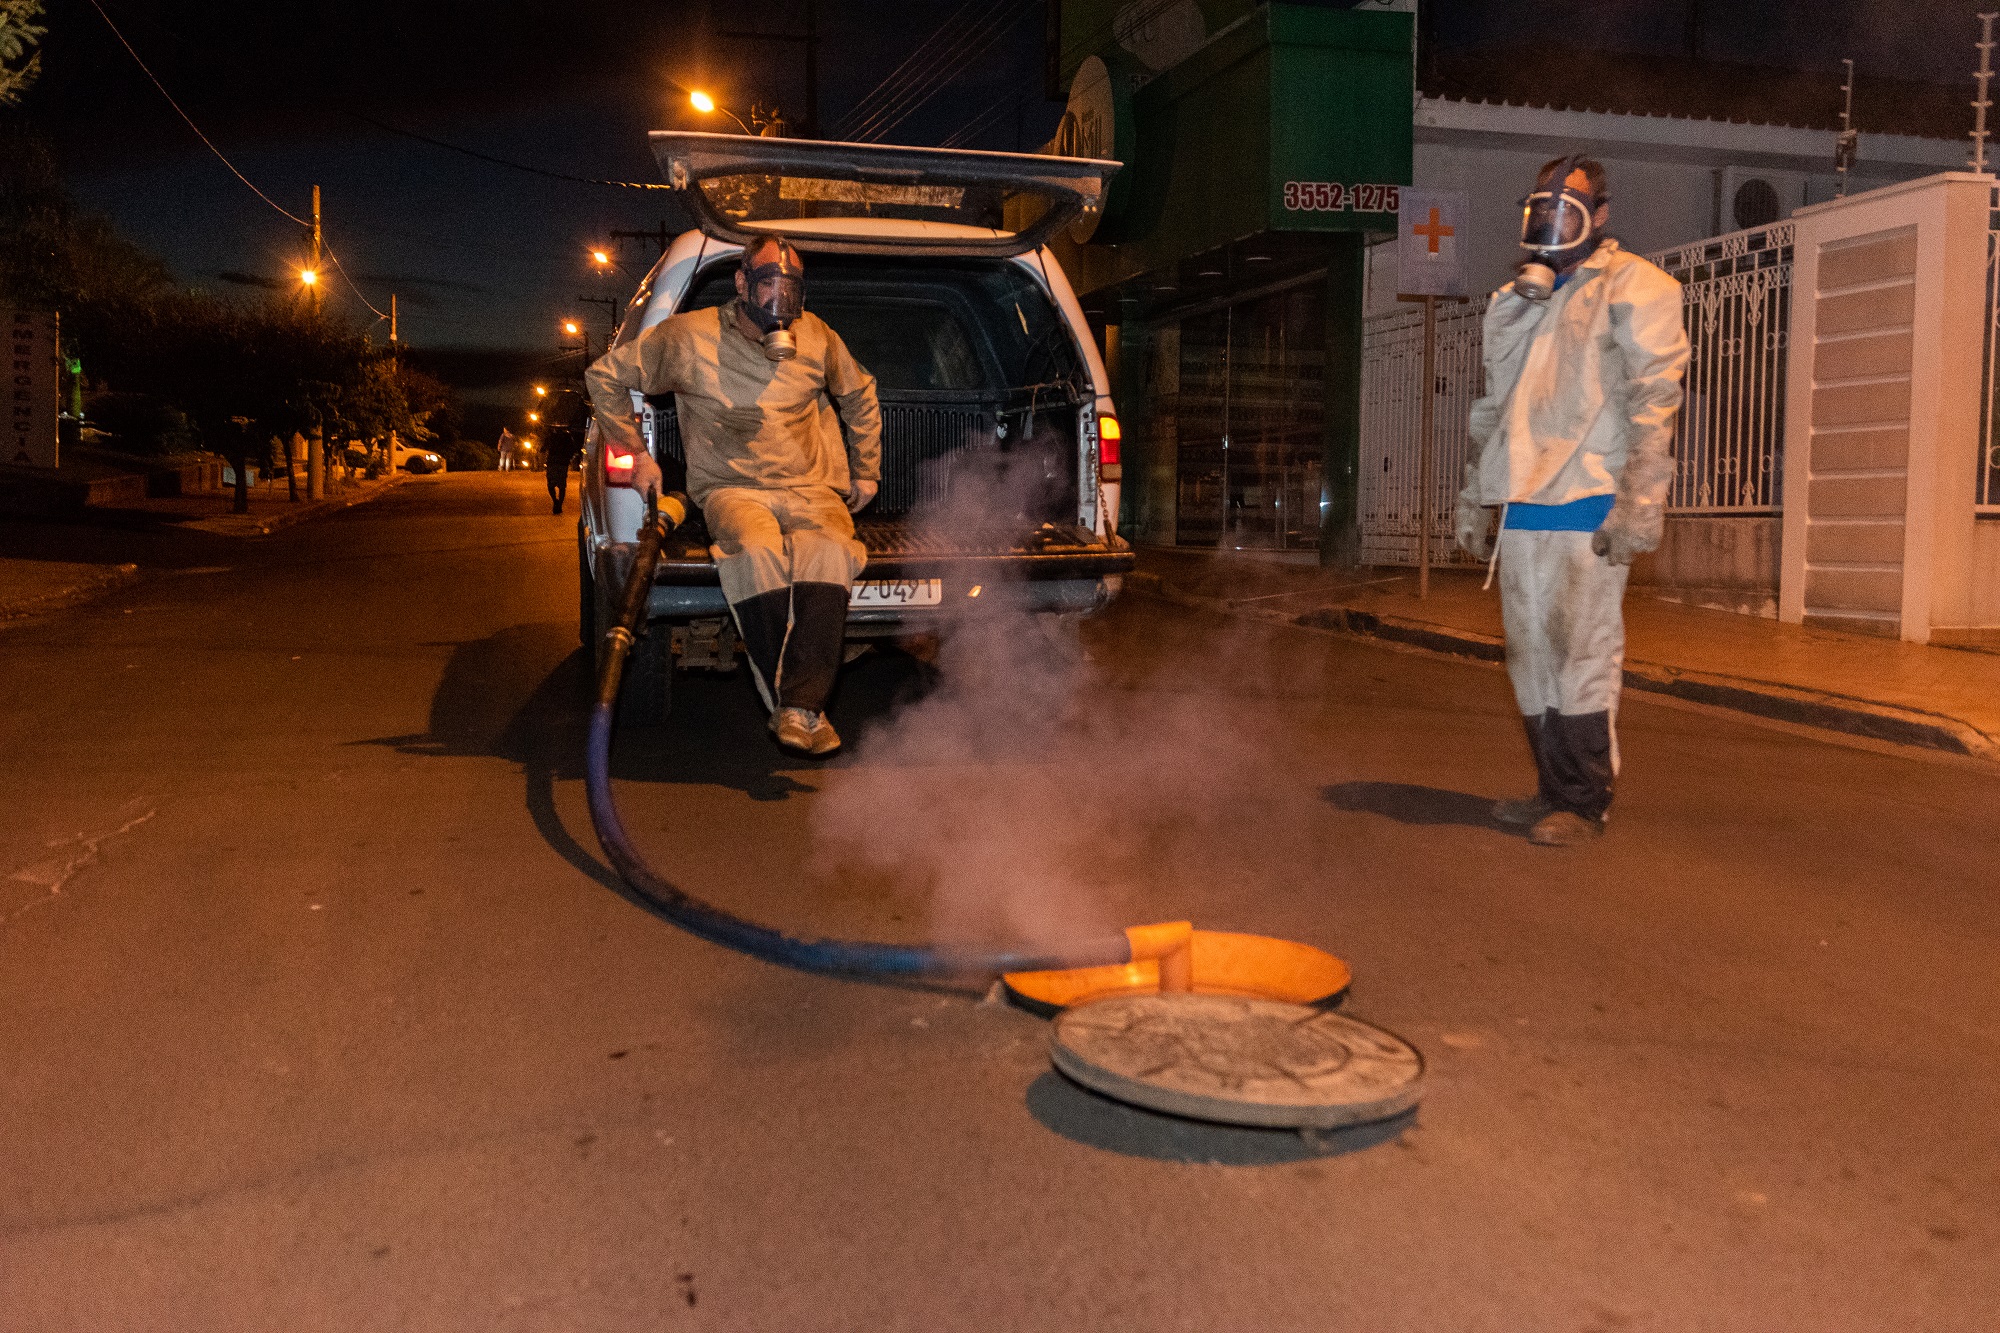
{"points": [[924, 326]]}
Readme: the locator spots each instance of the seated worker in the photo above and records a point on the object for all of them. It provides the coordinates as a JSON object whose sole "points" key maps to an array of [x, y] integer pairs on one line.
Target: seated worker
{"points": [[767, 463]]}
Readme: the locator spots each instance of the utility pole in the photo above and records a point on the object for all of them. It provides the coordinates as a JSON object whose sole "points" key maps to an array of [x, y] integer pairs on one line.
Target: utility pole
{"points": [[1978, 162], [1844, 147], [392, 321], [659, 238], [610, 304], [316, 447], [810, 40]]}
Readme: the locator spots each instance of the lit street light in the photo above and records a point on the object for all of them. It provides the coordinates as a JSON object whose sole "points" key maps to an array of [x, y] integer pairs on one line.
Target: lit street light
{"points": [[707, 105], [570, 327], [308, 276], [541, 391]]}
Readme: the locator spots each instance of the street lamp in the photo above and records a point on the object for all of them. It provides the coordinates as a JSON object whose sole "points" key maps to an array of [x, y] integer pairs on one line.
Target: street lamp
{"points": [[599, 258], [541, 391], [308, 276], [575, 330], [707, 105]]}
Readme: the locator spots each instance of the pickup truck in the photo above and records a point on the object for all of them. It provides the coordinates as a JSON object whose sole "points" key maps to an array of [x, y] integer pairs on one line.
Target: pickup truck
{"points": [[1000, 441]]}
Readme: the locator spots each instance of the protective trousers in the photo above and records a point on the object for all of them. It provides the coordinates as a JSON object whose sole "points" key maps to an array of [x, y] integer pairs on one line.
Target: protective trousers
{"points": [[1562, 606], [787, 559]]}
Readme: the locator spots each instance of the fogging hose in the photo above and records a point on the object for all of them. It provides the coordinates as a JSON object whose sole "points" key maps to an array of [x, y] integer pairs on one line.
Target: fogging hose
{"points": [[842, 957]]}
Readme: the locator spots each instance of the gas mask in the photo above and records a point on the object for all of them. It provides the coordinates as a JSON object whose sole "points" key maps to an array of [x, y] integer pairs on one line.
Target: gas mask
{"points": [[1558, 230], [774, 295]]}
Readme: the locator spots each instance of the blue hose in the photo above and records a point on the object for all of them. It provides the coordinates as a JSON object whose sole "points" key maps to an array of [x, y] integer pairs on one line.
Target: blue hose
{"points": [[836, 957]]}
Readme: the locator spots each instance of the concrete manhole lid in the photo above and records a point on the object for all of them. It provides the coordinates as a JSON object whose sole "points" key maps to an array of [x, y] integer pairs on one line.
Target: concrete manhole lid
{"points": [[1239, 1061]]}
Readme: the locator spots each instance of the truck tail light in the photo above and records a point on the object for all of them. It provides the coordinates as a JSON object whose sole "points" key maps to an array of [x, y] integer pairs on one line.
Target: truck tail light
{"points": [[1109, 438], [619, 464]]}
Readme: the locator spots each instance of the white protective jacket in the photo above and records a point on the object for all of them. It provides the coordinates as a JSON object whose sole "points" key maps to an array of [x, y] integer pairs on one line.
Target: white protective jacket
{"points": [[1581, 391]]}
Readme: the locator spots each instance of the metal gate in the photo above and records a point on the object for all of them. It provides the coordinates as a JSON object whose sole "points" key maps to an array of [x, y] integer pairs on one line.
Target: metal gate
{"points": [[1392, 373]]}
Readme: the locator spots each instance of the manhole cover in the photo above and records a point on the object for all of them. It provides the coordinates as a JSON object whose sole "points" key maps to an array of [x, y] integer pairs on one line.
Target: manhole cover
{"points": [[1239, 1061]]}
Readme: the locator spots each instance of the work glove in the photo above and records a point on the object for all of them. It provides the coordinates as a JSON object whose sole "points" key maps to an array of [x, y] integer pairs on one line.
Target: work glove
{"points": [[1629, 532], [1472, 524], [860, 494], [1639, 515]]}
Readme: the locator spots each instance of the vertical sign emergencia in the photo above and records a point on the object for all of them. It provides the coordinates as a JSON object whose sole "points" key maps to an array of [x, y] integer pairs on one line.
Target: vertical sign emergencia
{"points": [[1429, 228], [31, 389]]}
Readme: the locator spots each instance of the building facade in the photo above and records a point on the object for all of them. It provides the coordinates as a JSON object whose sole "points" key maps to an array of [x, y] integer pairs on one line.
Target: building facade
{"points": [[1241, 263]]}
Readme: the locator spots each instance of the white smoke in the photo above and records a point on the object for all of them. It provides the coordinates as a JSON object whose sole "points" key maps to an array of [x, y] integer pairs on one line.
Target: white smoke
{"points": [[1029, 796]]}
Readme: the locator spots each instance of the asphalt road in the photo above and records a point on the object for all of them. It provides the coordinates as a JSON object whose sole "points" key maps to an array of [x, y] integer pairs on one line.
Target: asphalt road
{"points": [[319, 1010]]}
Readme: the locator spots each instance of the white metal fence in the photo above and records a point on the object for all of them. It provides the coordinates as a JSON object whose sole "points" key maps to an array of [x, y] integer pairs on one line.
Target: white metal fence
{"points": [[1736, 294], [1987, 498], [1392, 374]]}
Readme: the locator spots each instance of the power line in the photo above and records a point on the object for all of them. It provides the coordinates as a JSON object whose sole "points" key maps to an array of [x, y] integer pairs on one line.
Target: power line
{"points": [[210, 145], [501, 161], [888, 86], [966, 132], [190, 120], [348, 278], [988, 30], [944, 58], [978, 37]]}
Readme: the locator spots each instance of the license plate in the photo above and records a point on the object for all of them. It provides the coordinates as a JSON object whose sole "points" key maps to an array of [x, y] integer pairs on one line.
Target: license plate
{"points": [[897, 592]]}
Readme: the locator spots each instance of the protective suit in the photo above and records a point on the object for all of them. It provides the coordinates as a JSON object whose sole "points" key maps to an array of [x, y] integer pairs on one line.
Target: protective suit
{"points": [[774, 472], [1574, 439]]}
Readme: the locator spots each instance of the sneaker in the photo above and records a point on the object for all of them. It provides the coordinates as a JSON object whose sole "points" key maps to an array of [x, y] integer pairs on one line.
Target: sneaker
{"points": [[1564, 829], [794, 728], [1522, 811], [825, 740]]}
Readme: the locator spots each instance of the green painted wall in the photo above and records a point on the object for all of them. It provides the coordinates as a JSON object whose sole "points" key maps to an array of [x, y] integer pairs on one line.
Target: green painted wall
{"points": [[1290, 93]]}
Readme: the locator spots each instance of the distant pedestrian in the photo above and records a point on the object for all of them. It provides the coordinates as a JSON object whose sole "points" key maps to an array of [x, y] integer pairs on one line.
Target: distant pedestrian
{"points": [[566, 416], [1584, 354]]}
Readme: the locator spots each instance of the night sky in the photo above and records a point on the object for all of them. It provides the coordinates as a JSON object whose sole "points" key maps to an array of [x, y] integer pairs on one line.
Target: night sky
{"points": [[481, 256]]}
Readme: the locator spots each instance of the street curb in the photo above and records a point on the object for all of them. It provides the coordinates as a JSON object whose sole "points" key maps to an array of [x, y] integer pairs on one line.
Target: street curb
{"points": [[242, 525], [112, 579], [1782, 703]]}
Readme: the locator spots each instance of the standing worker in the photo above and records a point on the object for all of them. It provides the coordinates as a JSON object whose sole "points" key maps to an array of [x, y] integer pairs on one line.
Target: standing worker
{"points": [[1584, 353], [565, 418], [763, 391]]}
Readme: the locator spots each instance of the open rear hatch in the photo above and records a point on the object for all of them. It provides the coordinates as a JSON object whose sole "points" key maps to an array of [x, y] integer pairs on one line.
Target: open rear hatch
{"points": [[741, 185]]}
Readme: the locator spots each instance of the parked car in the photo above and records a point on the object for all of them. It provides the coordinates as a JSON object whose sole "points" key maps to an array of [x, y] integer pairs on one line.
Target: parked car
{"points": [[405, 457], [1000, 462]]}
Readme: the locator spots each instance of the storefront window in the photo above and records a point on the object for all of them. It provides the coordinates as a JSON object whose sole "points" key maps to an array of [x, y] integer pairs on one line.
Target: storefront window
{"points": [[1247, 421]]}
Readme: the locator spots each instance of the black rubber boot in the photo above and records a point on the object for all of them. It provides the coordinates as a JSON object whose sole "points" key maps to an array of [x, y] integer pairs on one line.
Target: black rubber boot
{"points": [[812, 653], [1578, 747], [762, 620], [1541, 736]]}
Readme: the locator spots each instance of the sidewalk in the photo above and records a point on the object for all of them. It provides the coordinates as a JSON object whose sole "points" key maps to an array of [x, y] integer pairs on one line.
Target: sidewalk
{"points": [[271, 507], [1940, 698], [33, 585]]}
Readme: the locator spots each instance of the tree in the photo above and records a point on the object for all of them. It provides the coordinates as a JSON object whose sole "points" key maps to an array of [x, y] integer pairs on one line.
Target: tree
{"points": [[20, 63]]}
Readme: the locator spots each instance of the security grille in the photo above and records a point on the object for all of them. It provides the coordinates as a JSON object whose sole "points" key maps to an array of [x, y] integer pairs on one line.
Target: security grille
{"points": [[1736, 300], [1392, 387], [1987, 496]]}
